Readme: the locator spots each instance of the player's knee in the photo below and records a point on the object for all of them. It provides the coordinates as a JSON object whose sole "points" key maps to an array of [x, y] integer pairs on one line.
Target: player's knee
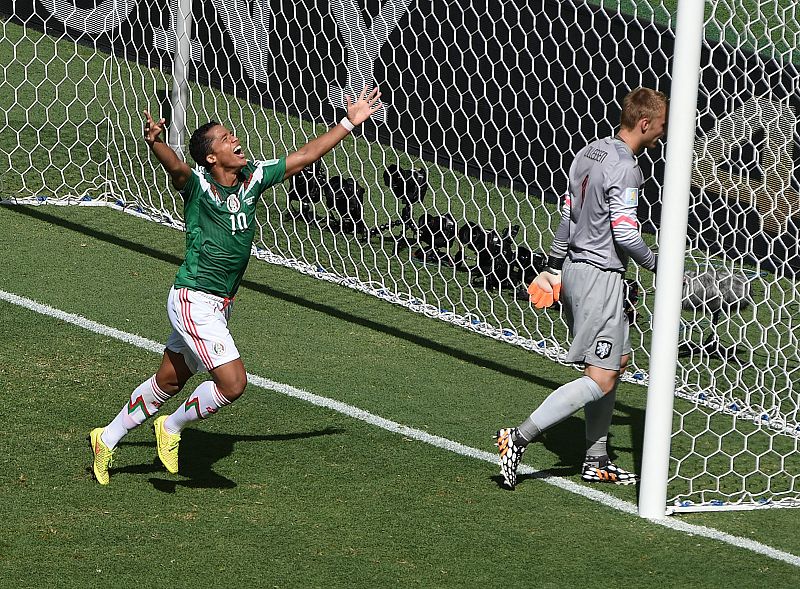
{"points": [[606, 379], [173, 373], [171, 388], [241, 385], [233, 387]]}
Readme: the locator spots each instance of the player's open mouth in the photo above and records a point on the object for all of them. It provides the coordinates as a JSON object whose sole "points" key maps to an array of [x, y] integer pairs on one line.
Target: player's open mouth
{"points": [[238, 150]]}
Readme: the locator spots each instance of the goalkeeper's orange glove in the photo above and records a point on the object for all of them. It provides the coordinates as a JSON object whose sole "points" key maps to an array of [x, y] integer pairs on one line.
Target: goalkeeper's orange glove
{"points": [[545, 288]]}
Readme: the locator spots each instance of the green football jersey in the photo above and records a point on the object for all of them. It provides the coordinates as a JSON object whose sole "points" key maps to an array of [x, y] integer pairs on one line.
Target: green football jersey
{"points": [[220, 226]]}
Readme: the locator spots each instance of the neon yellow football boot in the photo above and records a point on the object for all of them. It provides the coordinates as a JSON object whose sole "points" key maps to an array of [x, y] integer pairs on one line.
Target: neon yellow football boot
{"points": [[167, 445], [103, 456]]}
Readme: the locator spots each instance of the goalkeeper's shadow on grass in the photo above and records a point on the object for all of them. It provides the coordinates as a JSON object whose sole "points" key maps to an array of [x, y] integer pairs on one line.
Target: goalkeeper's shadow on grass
{"points": [[200, 450]]}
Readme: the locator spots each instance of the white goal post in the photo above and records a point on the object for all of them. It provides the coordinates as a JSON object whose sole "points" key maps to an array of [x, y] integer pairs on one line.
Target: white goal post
{"points": [[446, 202], [671, 253]]}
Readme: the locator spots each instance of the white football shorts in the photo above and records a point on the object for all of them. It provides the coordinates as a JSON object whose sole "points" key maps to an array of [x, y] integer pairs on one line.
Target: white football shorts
{"points": [[200, 329]]}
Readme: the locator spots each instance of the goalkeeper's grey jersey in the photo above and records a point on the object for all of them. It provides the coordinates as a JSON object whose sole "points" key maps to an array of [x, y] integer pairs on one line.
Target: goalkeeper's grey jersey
{"points": [[599, 225]]}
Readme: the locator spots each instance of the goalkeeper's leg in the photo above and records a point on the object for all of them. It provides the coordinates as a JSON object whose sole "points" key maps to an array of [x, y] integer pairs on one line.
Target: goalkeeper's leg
{"points": [[559, 405], [597, 466], [598, 413], [598, 421]]}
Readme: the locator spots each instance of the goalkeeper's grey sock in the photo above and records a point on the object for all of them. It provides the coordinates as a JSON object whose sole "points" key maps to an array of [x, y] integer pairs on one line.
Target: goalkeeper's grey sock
{"points": [[598, 421], [597, 461], [559, 405]]}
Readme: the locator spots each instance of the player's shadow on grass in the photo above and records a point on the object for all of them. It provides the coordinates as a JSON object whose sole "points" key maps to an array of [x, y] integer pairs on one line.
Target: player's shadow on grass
{"points": [[200, 450]]}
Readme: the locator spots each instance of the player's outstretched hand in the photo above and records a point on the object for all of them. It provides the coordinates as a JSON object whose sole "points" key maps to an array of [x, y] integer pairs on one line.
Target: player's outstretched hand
{"points": [[368, 103], [152, 129], [545, 289]]}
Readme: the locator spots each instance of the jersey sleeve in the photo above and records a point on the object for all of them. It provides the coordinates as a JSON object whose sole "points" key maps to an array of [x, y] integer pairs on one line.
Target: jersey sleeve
{"points": [[624, 185], [192, 184], [558, 249], [271, 172]]}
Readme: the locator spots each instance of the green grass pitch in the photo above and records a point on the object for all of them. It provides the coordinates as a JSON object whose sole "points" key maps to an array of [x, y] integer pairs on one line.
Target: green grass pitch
{"points": [[275, 492]]}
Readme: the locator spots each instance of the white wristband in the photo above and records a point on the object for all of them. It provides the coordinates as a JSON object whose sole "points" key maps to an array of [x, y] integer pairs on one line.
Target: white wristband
{"points": [[345, 122]]}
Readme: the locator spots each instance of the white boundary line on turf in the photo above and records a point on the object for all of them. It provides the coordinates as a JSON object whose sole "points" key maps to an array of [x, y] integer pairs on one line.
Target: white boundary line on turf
{"points": [[416, 434]]}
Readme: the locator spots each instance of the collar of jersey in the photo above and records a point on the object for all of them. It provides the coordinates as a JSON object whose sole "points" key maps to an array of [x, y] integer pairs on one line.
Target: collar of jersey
{"points": [[240, 177], [616, 137]]}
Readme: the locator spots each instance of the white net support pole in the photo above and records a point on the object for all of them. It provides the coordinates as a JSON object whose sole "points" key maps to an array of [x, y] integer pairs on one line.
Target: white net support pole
{"points": [[672, 251], [180, 76]]}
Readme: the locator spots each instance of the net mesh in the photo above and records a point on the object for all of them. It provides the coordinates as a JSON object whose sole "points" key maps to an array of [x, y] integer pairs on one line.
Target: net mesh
{"points": [[447, 203]]}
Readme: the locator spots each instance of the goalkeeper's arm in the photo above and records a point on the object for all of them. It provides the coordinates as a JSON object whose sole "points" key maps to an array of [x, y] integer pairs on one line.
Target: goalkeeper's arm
{"points": [[546, 287], [625, 231]]}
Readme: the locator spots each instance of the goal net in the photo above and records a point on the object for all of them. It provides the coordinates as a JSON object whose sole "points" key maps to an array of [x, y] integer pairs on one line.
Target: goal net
{"points": [[447, 202]]}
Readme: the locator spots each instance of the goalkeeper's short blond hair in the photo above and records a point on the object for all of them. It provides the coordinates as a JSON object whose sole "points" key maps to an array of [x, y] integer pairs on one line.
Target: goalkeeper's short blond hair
{"points": [[642, 103]]}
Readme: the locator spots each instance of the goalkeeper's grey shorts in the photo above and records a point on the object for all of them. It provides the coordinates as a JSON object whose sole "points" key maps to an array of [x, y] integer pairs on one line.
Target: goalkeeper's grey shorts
{"points": [[593, 305]]}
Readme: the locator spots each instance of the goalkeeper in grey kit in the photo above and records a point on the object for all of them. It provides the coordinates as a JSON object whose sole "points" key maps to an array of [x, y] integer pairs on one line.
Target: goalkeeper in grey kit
{"points": [[220, 198], [598, 234]]}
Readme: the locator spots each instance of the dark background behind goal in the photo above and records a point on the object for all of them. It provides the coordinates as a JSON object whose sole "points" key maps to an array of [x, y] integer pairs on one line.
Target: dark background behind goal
{"points": [[503, 92]]}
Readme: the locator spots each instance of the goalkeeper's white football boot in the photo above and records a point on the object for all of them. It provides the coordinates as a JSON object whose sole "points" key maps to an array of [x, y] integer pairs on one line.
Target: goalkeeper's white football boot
{"points": [[167, 444], [102, 455], [605, 471], [510, 455]]}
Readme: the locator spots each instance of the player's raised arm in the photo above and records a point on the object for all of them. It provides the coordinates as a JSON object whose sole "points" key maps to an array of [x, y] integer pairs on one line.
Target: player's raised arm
{"points": [[178, 170], [357, 112]]}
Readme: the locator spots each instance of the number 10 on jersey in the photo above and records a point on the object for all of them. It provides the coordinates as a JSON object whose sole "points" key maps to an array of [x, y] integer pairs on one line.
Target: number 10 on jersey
{"points": [[238, 221]]}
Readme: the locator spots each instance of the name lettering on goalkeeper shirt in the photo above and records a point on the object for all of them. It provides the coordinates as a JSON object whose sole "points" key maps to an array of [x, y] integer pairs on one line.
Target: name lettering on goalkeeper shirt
{"points": [[595, 154]]}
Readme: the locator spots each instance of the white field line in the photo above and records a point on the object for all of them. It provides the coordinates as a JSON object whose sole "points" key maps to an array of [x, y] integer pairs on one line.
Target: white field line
{"points": [[416, 434]]}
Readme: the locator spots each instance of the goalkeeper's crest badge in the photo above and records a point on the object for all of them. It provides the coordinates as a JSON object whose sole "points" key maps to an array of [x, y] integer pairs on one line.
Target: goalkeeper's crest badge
{"points": [[603, 349], [233, 203]]}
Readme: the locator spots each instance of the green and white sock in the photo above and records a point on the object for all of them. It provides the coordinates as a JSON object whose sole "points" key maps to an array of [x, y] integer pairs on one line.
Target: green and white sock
{"points": [[204, 401], [144, 402]]}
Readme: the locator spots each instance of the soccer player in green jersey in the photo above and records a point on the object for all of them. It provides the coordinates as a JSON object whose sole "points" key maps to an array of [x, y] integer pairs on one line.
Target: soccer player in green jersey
{"points": [[220, 198]]}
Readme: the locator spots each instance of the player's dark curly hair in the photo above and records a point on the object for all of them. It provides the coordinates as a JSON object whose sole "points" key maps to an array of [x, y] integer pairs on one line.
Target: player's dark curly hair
{"points": [[200, 143]]}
